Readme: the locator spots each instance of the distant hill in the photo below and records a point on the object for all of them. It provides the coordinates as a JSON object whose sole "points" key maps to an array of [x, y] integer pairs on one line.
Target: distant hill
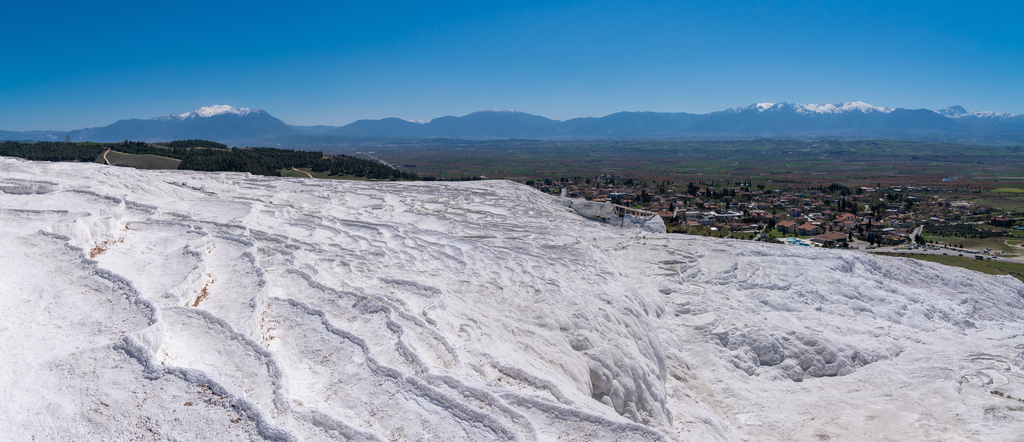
{"points": [[220, 123], [313, 130], [39, 135], [388, 127], [225, 124], [627, 124], [848, 120], [492, 124]]}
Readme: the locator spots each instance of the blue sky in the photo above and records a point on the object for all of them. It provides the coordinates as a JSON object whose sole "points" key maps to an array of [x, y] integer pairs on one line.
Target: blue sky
{"points": [[84, 64]]}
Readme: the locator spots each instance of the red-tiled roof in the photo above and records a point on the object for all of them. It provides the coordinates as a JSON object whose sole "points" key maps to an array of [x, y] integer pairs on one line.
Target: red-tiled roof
{"points": [[831, 236]]}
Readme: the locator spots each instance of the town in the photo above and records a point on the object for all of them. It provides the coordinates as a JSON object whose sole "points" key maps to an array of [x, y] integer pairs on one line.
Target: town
{"points": [[826, 215]]}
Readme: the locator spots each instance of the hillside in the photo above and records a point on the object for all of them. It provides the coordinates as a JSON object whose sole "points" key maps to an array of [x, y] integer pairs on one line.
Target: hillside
{"points": [[848, 120], [203, 155], [225, 306]]}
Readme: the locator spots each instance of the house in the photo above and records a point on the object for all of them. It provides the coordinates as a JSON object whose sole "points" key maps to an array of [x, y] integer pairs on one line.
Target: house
{"points": [[809, 229], [787, 227], [1002, 221], [727, 216], [846, 217], [829, 238], [899, 224], [847, 226]]}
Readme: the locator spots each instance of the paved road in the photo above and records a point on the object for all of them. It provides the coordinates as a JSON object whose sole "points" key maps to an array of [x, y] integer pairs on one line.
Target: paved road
{"points": [[945, 251], [914, 235]]}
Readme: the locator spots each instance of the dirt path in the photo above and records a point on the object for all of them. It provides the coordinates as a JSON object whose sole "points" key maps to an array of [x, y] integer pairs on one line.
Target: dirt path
{"points": [[105, 157], [297, 170]]}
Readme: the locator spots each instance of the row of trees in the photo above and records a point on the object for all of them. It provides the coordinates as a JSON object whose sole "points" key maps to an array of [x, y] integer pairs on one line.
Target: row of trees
{"points": [[195, 143], [210, 156], [959, 230], [346, 165], [256, 160], [51, 151]]}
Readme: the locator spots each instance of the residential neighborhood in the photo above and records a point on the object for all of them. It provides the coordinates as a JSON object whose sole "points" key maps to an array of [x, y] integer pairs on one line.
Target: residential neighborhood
{"points": [[827, 216]]}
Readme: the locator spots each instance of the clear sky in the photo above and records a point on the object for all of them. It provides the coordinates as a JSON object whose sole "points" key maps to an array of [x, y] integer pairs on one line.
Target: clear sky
{"points": [[83, 64]]}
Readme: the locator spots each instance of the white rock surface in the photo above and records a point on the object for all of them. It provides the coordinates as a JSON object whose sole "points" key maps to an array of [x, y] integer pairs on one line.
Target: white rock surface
{"points": [[605, 212], [188, 306]]}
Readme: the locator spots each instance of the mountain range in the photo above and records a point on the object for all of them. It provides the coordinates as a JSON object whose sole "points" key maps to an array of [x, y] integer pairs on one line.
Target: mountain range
{"points": [[848, 120]]}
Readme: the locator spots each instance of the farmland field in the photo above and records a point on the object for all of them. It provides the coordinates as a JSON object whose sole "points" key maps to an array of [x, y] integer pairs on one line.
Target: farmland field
{"points": [[775, 163], [139, 161]]}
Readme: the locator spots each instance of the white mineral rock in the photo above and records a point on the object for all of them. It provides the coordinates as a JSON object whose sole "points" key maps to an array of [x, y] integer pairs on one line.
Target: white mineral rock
{"points": [[239, 307]]}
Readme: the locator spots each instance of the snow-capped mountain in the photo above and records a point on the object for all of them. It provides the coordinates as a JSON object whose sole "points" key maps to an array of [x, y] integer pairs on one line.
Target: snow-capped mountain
{"points": [[285, 309], [210, 111], [838, 108], [960, 112], [850, 120], [843, 107], [986, 122], [855, 119], [236, 126]]}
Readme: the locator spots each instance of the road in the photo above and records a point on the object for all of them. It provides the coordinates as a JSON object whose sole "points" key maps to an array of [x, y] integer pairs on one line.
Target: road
{"points": [[945, 251], [297, 170], [913, 236]]}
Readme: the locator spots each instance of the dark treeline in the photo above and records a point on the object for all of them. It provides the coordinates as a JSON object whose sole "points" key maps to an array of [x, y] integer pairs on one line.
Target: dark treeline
{"points": [[51, 151], [959, 230], [255, 160], [209, 156], [346, 165], [140, 148], [195, 143]]}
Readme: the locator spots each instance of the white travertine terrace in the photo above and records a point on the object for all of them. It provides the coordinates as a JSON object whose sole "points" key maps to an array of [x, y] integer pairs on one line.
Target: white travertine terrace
{"points": [[178, 305]]}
